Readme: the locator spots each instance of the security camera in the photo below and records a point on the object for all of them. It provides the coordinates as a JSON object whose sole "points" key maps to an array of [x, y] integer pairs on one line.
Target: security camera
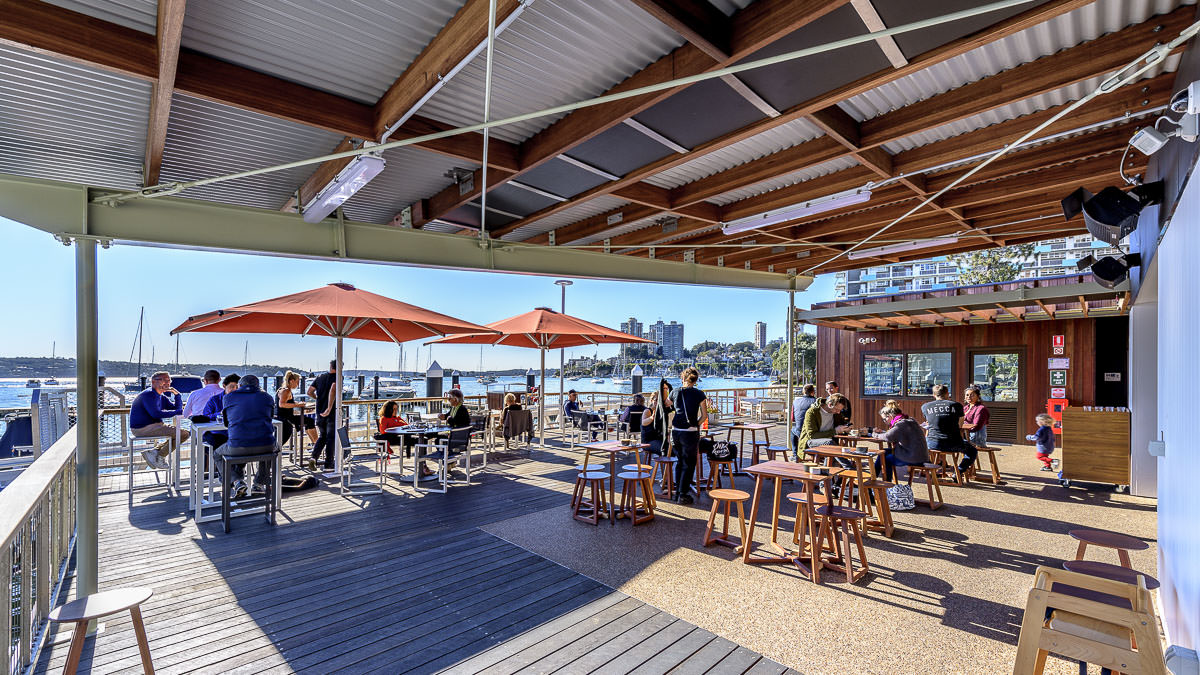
{"points": [[1148, 140], [1187, 101]]}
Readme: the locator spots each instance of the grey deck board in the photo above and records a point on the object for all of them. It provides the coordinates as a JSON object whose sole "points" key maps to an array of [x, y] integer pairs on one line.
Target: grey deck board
{"points": [[398, 582]]}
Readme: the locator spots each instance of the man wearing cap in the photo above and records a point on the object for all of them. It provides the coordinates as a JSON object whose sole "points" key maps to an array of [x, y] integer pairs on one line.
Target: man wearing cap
{"points": [[248, 413]]}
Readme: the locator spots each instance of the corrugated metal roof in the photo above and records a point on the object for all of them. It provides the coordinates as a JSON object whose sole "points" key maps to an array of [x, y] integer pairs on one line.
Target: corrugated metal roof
{"points": [[785, 180], [140, 15], [592, 207], [209, 139], [767, 143], [557, 52], [623, 228], [1067, 30], [64, 121], [1013, 110], [355, 48], [411, 174]]}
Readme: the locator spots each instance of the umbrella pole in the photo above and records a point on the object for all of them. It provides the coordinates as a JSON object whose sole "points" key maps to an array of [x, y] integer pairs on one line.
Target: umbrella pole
{"points": [[543, 400], [337, 417]]}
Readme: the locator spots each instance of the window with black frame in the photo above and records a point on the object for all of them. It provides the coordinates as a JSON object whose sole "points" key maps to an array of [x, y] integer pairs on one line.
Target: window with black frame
{"points": [[883, 375], [927, 370], [906, 374]]}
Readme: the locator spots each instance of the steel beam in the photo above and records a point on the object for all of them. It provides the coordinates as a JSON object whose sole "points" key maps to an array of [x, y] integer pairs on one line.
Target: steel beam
{"points": [[187, 223]]}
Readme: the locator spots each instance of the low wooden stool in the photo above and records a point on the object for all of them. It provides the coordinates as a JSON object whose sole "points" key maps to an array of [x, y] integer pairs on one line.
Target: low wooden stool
{"points": [[883, 521], [930, 473], [598, 502], [846, 520], [1089, 619], [801, 532], [631, 506], [577, 494], [82, 611], [763, 445], [714, 473], [1122, 542], [991, 453], [667, 464], [726, 497], [778, 450]]}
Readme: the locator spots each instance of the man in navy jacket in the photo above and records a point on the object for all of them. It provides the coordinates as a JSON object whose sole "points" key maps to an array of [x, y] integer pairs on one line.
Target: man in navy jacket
{"points": [[248, 413], [160, 402]]}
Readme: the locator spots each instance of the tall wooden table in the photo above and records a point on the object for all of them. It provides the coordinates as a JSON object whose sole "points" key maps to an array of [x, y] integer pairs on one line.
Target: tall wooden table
{"points": [[613, 447], [742, 428], [809, 564]]}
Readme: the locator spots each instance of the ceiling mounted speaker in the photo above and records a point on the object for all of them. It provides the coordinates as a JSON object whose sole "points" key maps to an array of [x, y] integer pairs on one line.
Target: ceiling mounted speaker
{"points": [[1111, 215]]}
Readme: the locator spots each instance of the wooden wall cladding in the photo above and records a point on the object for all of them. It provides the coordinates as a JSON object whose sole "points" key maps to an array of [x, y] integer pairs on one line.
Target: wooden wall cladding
{"points": [[839, 357]]}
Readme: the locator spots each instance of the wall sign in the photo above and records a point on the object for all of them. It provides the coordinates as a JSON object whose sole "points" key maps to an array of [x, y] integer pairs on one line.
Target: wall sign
{"points": [[865, 340], [1058, 378], [1059, 364], [1059, 341], [1059, 351], [1112, 377], [1058, 392]]}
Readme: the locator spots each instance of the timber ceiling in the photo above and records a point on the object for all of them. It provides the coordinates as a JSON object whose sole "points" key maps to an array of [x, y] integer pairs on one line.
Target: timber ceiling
{"points": [[151, 91]]}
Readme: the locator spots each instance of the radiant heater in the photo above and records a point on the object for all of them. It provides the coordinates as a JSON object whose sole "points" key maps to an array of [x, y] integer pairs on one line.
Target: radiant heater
{"points": [[349, 180], [905, 247], [796, 211]]}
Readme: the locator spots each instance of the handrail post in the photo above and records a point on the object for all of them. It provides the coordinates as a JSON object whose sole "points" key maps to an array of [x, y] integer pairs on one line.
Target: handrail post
{"points": [[87, 503]]}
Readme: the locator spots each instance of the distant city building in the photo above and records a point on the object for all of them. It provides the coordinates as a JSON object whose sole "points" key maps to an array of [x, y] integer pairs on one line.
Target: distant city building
{"points": [[1050, 258], [632, 327], [669, 338], [760, 335]]}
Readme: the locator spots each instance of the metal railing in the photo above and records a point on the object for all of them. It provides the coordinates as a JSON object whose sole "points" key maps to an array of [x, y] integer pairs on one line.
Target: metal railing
{"points": [[37, 532]]}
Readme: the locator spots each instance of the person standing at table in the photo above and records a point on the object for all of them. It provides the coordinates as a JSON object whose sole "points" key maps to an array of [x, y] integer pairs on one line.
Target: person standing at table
{"points": [[161, 401], [291, 412], [248, 412], [944, 416], [976, 414], [321, 391], [907, 440], [690, 415], [844, 417], [656, 420], [800, 406]]}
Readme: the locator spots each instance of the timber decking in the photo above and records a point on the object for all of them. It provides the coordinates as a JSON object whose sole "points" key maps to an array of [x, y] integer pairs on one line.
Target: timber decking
{"points": [[392, 583]]}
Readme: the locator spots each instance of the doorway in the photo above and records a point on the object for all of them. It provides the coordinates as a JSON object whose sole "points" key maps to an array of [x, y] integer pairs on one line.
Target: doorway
{"points": [[1000, 377]]}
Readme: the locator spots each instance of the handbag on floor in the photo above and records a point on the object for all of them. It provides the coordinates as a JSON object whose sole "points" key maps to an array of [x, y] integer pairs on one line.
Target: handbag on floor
{"points": [[900, 498]]}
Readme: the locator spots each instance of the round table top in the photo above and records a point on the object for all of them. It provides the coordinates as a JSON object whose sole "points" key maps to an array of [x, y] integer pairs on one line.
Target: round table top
{"points": [[1107, 571], [1109, 539], [101, 604], [726, 493]]}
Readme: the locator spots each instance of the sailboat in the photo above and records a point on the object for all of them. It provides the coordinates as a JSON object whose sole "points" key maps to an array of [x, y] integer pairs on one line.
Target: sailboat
{"points": [[483, 379], [136, 385]]}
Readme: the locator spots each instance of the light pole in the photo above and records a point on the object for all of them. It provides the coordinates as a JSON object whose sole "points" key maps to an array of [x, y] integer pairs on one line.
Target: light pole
{"points": [[562, 283]]}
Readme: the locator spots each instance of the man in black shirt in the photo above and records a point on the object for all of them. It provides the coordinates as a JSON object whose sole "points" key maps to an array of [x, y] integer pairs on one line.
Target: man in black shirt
{"points": [[831, 388], [945, 426], [319, 391]]}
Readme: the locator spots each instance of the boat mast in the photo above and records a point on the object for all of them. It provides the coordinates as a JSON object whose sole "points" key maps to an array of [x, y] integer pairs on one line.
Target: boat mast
{"points": [[246, 355], [141, 318], [177, 352]]}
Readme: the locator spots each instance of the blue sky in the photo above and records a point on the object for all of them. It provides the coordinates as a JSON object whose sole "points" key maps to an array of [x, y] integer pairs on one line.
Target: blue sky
{"points": [[174, 284]]}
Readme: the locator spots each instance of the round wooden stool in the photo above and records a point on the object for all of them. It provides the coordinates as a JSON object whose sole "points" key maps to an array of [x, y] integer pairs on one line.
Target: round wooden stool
{"points": [[726, 497], [848, 521], [1107, 571], [929, 472], [598, 502], [638, 510], [805, 527], [759, 445], [84, 610], [577, 494], [667, 464], [1122, 542], [714, 473], [777, 450]]}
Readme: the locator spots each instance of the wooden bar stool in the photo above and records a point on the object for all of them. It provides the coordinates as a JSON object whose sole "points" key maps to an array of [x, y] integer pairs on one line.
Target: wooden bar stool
{"points": [[667, 464], [848, 521], [1123, 543], [807, 526], [991, 453], [929, 472], [631, 504], [714, 473], [82, 611], [726, 497], [758, 446], [774, 451], [883, 513], [598, 502]]}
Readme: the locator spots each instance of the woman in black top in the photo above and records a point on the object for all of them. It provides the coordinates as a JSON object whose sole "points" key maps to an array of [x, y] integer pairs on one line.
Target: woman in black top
{"points": [[690, 414]]}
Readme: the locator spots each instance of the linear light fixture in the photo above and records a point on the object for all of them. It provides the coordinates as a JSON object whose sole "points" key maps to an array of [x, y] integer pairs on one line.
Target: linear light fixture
{"points": [[349, 180], [808, 208], [900, 248]]}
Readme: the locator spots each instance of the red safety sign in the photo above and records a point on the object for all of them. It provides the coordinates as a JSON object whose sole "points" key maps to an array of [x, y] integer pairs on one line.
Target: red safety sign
{"points": [[1059, 350], [1059, 341], [1058, 392]]}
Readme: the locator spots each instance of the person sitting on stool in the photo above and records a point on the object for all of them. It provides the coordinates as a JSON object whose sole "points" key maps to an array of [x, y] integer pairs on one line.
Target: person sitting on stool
{"points": [[248, 412]]}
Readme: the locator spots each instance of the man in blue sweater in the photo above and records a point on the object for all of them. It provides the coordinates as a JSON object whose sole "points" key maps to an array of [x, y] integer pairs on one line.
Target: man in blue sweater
{"points": [[248, 413], [146, 416]]}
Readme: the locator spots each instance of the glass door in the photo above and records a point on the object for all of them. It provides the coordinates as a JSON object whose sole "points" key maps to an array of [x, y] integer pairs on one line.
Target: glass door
{"points": [[1000, 378]]}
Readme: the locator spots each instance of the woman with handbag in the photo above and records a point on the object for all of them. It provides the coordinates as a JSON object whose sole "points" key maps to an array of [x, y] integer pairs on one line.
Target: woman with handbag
{"points": [[690, 415]]}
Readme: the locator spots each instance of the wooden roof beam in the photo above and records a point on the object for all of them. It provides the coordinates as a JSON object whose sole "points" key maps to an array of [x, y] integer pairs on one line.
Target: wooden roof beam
{"points": [[168, 36], [697, 21]]}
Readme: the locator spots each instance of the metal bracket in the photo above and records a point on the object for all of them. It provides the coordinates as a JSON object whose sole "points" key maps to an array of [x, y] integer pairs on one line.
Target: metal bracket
{"points": [[67, 239], [770, 268], [463, 178], [720, 261], [652, 253], [747, 264], [608, 245], [615, 218], [550, 235], [689, 256]]}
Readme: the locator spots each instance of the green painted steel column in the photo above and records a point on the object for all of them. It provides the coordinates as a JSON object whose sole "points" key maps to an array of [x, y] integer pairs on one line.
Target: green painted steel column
{"points": [[87, 505], [791, 347]]}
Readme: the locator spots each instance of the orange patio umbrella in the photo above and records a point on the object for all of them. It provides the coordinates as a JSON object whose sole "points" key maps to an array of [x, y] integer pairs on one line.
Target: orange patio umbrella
{"points": [[339, 311], [543, 329]]}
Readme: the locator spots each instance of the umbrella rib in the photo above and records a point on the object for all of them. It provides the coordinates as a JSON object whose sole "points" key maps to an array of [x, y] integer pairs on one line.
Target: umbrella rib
{"points": [[385, 330], [352, 327], [431, 330], [317, 320], [218, 319]]}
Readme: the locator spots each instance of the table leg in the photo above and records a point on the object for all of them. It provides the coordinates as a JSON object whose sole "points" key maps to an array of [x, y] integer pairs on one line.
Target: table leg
{"points": [[1081, 550], [749, 543], [143, 643], [775, 513], [77, 638], [612, 488], [1124, 556]]}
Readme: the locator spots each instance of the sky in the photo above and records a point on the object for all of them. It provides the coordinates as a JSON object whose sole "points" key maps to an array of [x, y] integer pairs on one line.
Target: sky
{"points": [[174, 284]]}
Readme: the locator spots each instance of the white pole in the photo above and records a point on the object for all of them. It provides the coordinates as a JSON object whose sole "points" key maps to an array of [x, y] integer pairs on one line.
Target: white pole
{"points": [[337, 413], [542, 407]]}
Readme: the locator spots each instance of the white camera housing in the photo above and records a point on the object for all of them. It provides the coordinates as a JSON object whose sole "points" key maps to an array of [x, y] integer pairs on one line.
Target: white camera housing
{"points": [[1193, 98], [1148, 140]]}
